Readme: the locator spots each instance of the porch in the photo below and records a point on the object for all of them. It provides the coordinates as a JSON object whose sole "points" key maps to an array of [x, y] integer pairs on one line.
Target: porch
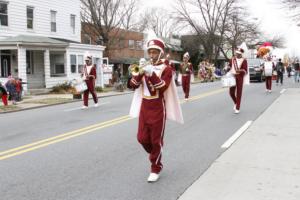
{"points": [[43, 62]]}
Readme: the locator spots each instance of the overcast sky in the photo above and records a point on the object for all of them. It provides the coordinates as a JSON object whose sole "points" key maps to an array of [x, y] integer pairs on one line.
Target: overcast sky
{"points": [[272, 16]]}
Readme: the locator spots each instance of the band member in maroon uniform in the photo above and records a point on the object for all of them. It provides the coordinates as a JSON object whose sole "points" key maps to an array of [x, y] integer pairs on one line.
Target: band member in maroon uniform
{"points": [[239, 67], [268, 68], [89, 75], [186, 70], [155, 99]]}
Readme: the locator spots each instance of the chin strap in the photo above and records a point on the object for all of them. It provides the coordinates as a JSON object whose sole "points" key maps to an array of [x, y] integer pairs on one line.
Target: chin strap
{"points": [[160, 54]]}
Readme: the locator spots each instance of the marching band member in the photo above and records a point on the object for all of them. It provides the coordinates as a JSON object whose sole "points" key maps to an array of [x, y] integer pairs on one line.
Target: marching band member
{"points": [[89, 75], [186, 69], [155, 99], [268, 67], [239, 67]]}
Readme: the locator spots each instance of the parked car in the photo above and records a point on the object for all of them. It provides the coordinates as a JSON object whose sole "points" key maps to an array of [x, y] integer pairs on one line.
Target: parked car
{"points": [[255, 69]]}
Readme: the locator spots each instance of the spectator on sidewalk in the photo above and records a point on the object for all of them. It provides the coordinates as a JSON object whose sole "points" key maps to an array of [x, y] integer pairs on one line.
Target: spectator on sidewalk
{"points": [[280, 70], [19, 89], [3, 94], [11, 89], [297, 69], [89, 75], [289, 70]]}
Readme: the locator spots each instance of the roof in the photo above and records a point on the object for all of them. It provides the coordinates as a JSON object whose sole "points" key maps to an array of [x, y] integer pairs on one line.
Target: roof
{"points": [[32, 40]]}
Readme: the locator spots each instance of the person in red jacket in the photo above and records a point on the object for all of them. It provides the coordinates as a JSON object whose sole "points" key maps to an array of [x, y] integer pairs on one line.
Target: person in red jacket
{"points": [[3, 94], [89, 75], [239, 67], [186, 70], [155, 99]]}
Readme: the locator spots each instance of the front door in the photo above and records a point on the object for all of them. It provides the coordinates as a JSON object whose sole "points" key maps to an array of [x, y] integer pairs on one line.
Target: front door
{"points": [[5, 66]]}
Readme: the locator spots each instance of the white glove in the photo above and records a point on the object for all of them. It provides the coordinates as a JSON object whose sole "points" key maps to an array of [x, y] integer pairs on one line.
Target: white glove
{"points": [[148, 70]]}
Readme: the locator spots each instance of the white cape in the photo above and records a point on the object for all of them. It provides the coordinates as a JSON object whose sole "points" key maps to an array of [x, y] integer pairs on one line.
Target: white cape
{"points": [[173, 108]]}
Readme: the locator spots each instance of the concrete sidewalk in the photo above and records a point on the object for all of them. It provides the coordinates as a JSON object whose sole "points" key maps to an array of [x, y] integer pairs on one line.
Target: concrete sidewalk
{"points": [[38, 101], [263, 164]]}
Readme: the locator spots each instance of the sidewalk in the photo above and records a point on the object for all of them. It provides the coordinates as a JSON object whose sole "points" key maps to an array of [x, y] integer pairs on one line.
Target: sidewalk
{"points": [[263, 164], [38, 101]]}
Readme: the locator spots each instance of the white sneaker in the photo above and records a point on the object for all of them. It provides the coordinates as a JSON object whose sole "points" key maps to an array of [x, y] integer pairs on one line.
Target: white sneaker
{"points": [[234, 107], [153, 177], [270, 91], [186, 99], [84, 107], [96, 105], [236, 111]]}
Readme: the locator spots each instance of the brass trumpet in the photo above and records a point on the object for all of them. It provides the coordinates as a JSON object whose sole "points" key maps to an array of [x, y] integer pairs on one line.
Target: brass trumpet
{"points": [[136, 69]]}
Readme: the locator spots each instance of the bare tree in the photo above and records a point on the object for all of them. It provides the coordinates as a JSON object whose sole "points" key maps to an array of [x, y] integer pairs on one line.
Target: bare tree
{"points": [[104, 18], [161, 26], [294, 8], [238, 29], [208, 19]]}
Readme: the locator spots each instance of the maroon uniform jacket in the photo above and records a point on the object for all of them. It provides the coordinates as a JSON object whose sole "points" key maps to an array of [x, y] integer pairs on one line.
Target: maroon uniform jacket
{"points": [[186, 69], [92, 75], [243, 69]]}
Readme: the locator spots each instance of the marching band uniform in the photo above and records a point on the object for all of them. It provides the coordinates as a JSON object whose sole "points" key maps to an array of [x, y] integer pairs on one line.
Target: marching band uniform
{"points": [[238, 67], [155, 99], [89, 75], [268, 77], [186, 70]]}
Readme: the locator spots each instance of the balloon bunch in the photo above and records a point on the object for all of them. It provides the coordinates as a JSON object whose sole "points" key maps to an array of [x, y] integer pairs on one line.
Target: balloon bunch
{"points": [[264, 49]]}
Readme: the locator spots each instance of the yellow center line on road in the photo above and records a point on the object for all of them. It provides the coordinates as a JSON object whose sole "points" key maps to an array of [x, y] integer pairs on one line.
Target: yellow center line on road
{"points": [[62, 139], [201, 96], [59, 138], [99, 125]]}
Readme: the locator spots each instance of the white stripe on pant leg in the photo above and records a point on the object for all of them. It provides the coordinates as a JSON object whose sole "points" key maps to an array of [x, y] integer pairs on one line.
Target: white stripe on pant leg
{"points": [[162, 132]]}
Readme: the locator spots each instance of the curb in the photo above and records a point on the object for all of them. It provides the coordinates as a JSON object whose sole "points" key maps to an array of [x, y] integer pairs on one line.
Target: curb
{"points": [[72, 101]]}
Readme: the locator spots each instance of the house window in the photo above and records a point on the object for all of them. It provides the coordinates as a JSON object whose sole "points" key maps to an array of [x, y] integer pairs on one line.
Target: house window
{"points": [[3, 14], [131, 44], [86, 39], [29, 62], [73, 63], [80, 63], [73, 23], [30, 17], [53, 21], [139, 45], [57, 65]]}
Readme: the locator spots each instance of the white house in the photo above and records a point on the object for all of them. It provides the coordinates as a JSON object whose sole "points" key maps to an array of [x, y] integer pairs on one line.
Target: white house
{"points": [[40, 42]]}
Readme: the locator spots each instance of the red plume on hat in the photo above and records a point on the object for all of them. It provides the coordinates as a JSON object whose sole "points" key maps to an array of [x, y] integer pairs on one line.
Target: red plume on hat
{"points": [[156, 44]]}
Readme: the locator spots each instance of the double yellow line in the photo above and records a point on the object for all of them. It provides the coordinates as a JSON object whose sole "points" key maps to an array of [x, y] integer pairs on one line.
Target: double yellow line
{"points": [[42, 143], [201, 96]]}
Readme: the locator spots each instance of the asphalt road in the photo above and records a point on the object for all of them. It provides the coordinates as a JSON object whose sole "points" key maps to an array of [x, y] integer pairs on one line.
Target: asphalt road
{"points": [[63, 152]]}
